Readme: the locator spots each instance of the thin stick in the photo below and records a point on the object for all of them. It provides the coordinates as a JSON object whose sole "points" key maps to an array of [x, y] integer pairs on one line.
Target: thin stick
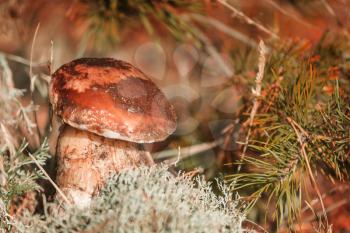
{"points": [[332, 12], [194, 172], [188, 151], [329, 8], [285, 12], [49, 178], [247, 19]]}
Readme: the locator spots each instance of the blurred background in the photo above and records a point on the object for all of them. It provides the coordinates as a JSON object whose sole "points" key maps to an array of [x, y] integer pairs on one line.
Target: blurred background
{"points": [[202, 54]]}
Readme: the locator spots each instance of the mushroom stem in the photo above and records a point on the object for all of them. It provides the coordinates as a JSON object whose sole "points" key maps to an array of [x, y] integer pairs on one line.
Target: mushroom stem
{"points": [[86, 160], [56, 123]]}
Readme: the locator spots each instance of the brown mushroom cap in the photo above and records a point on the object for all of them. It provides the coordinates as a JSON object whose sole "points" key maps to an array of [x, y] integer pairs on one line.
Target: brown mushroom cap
{"points": [[113, 99]]}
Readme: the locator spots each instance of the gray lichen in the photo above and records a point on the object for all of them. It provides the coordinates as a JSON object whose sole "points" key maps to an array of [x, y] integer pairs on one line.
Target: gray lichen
{"points": [[147, 199]]}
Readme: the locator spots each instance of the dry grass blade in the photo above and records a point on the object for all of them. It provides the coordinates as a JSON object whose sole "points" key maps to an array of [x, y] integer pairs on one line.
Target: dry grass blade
{"points": [[32, 80], [257, 94]]}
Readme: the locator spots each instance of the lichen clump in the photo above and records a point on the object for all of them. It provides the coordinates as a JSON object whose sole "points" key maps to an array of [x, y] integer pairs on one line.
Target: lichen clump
{"points": [[147, 199]]}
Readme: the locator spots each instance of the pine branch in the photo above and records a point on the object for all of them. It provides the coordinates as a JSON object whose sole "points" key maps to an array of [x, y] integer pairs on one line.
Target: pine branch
{"points": [[21, 175], [297, 130], [107, 19]]}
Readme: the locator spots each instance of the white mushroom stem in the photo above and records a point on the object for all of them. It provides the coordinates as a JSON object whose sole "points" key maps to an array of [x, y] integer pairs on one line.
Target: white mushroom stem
{"points": [[86, 160]]}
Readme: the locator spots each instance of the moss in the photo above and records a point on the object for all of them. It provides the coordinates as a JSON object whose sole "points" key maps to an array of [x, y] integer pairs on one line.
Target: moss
{"points": [[147, 200]]}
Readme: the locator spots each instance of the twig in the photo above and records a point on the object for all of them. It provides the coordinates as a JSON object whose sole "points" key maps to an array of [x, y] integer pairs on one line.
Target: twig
{"points": [[227, 69], [329, 209], [331, 11], [230, 133], [49, 178], [314, 201], [194, 172], [188, 151], [328, 7], [257, 94], [247, 19], [301, 135], [224, 28], [285, 12]]}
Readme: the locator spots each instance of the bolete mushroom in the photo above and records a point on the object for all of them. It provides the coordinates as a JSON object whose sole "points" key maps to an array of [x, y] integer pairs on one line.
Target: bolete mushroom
{"points": [[109, 108]]}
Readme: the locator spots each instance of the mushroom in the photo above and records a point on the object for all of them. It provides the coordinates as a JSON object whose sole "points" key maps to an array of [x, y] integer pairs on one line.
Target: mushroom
{"points": [[108, 109]]}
